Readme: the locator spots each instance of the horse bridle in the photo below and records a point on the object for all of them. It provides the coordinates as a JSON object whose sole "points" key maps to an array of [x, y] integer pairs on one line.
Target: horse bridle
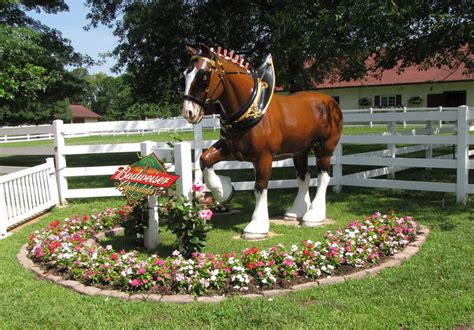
{"points": [[221, 73]]}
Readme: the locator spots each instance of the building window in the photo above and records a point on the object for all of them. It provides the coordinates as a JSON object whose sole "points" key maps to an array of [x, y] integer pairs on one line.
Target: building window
{"points": [[387, 101]]}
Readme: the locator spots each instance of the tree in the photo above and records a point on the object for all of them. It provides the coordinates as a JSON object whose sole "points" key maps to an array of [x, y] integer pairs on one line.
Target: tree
{"points": [[310, 40], [108, 96], [34, 84]]}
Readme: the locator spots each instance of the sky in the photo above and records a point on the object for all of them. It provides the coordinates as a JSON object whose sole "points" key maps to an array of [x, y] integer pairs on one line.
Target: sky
{"points": [[92, 42]]}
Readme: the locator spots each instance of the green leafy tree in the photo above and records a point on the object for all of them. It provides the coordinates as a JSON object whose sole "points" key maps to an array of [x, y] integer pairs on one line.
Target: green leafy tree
{"points": [[141, 111], [310, 40], [34, 85]]}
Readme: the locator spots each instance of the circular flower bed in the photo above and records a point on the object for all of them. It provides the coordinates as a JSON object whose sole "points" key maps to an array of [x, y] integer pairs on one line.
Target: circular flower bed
{"points": [[66, 248]]}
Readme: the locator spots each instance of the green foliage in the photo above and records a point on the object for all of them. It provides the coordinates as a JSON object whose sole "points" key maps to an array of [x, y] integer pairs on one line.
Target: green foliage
{"points": [[19, 77], [309, 40], [140, 111], [187, 219], [184, 219], [34, 85], [138, 219]]}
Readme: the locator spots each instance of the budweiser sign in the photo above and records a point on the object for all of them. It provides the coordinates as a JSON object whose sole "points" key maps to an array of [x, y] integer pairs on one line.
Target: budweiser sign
{"points": [[143, 178]]}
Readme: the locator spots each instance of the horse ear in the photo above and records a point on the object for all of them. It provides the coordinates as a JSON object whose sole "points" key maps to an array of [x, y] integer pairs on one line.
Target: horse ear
{"points": [[206, 51], [192, 50]]}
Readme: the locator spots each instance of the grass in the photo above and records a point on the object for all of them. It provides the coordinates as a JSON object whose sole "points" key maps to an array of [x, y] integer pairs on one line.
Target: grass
{"points": [[433, 289], [164, 137]]}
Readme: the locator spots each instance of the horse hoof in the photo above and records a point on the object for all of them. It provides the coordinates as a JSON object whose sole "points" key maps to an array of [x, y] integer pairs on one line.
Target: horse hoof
{"points": [[254, 236], [291, 217], [312, 223], [225, 191], [232, 193], [314, 216]]}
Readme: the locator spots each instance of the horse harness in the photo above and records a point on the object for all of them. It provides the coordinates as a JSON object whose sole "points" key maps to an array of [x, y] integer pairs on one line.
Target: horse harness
{"points": [[253, 109]]}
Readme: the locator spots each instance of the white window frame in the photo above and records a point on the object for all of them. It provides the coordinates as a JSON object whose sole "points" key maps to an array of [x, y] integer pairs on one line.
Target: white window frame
{"points": [[385, 101]]}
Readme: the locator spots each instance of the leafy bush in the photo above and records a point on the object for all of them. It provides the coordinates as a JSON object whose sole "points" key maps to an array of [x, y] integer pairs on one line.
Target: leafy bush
{"points": [[364, 101], [188, 220]]}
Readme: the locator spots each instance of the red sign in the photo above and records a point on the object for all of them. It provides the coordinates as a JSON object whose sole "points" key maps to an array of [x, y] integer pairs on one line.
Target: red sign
{"points": [[144, 178]]}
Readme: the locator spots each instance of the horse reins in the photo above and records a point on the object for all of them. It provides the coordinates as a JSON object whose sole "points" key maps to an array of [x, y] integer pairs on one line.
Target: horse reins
{"points": [[221, 74]]}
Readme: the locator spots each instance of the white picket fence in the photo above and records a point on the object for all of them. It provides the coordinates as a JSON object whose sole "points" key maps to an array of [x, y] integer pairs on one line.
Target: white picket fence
{"points": [[175, 124], [111, 128], [26, 193], [388, 161]]}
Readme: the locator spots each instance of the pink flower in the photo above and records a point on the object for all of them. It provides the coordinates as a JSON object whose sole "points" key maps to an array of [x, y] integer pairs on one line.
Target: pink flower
{"points": [[134, 282], [39, 252], [141, 271], [159, 262], [205, 214], [197, 187]]}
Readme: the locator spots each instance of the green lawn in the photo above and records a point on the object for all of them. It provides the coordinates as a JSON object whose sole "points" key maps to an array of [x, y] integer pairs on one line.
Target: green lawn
{"points": [[433, 289], [164, 137]]}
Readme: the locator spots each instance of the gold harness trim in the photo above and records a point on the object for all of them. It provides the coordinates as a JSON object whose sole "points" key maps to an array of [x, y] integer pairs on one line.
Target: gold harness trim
{"points": [[253, 111]]}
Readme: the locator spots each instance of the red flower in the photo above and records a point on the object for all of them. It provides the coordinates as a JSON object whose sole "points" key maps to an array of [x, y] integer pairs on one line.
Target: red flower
{"points": [[114, 256], [53, 246], [54, 224]]}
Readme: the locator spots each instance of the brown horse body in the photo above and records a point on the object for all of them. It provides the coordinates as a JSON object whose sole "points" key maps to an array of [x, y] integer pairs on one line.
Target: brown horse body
{"points": [[292, 126]]}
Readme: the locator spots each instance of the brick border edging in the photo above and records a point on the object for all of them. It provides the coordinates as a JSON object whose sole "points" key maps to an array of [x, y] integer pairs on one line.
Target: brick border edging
{"points": [[393, 261]]}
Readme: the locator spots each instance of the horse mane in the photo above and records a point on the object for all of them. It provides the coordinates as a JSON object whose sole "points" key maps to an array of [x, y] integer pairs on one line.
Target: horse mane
{"points": [[229, 56]]}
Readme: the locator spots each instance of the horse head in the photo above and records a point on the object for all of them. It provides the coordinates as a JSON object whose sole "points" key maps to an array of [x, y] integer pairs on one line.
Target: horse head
{"points": [[202, 85], [205, 79]]}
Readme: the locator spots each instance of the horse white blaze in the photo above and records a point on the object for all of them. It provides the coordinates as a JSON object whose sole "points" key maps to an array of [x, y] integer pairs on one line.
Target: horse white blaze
{"points": [[317, 211], [302, 201], [191, 111], [260, 223]]}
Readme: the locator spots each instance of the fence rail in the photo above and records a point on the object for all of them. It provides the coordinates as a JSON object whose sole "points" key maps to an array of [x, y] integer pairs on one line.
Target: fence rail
{"points": [[178, 124], [432, 133], [26, 193]]}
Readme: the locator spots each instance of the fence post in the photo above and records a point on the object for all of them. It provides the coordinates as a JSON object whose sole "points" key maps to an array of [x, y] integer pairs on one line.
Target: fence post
{"points": [[429, 150], [3, 212], [53, 185], [391, 150], [183, 168], [60, 158], [197, 152], [404, 122], [151, 232], [371, 111], [440, 108], [337, 169], [462, 172]]}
